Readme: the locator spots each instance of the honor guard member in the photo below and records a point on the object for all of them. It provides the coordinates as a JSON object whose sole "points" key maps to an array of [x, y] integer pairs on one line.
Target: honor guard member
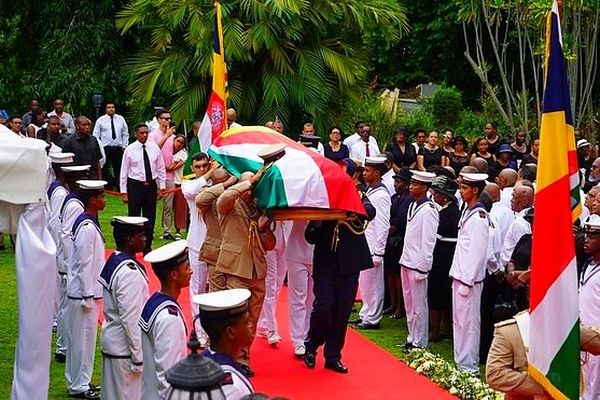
{"points": [[422, 222], [225, 318], [69, 209], [125, 291], [371, 281], [84, 291], [164, 333], [468, 272]]}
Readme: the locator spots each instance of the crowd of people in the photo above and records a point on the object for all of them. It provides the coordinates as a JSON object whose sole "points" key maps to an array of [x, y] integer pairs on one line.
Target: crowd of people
{"points": [[445, 242]]}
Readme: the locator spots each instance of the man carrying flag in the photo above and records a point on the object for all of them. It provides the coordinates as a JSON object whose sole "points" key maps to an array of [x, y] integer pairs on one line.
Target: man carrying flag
{"points": [[554, 325]]}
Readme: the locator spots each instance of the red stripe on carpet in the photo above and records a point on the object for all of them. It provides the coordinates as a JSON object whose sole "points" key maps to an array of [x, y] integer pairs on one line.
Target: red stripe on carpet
{"points": [[374, 373]]}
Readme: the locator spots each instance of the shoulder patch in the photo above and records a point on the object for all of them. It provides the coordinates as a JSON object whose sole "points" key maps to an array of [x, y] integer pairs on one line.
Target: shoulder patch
{"points": [[172, 310], [482, 214], [227, 379], [131, 265], [505, 323]]}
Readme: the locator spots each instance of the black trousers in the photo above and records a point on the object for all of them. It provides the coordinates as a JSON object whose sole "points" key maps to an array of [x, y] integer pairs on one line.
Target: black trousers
{"points": [[334, 299], [114, 157], [142, 202], [489, 296]]}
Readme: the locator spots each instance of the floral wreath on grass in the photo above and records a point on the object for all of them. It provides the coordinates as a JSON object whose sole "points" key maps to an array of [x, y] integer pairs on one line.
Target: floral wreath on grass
{"points": [[458, 383]]}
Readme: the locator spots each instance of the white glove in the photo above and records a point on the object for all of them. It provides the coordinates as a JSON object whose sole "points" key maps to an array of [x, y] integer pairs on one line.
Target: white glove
{"points": [[463, 290], [136, 369], [377, 261], [87, 304]]}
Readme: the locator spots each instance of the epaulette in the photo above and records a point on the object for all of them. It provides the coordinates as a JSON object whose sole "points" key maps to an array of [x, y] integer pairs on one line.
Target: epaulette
{"points": [[227, 379], [505, 323]]}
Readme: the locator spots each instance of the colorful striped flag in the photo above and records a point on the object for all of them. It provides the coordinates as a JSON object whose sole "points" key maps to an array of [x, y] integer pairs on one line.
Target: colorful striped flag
{"points": [[554, 308], [302, 178], [214, 121]]}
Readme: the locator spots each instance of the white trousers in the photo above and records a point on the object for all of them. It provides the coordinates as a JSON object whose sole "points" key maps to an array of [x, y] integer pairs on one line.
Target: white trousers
{"points": [[591, 377], [300, 300], [372, 287], [414, 290], [35, 265], [466, 322], [62, 329], [83, 328], [118, 382], [197, 286], [276, 269]]}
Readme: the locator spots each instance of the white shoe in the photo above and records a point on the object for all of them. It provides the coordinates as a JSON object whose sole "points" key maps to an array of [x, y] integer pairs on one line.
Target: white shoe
{"points": [[273, 338], [299, 350]]}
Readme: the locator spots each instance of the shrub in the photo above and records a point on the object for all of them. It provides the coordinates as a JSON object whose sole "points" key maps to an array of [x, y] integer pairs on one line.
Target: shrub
{"points": [[446, 107]]}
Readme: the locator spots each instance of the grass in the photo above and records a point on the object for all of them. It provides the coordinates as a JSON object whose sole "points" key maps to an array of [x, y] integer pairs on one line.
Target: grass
{"points": [[392, 333]]}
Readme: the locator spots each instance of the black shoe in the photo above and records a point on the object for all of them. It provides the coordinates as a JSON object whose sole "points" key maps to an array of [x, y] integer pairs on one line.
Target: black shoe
{"points": [[355, 321], [95, 388], [60, 358], [364, 325], [310, 359], [336, 366], [88, 394], [168, 236], [246, 370], [409, 346]]}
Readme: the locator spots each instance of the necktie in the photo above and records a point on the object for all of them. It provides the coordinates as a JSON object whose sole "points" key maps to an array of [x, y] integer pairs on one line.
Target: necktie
{"points": [[147, 168], [112, 127], [367, 152]]}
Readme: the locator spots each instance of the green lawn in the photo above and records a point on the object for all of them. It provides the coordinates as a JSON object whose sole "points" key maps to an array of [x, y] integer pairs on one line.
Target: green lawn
{"points": [[392, 333]]}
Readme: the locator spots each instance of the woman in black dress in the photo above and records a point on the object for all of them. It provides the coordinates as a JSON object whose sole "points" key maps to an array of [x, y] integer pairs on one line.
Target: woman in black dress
{"points": [[335, 150], [459, 158], [430, 154], [440, 283], [404, 153], [482, 146]]}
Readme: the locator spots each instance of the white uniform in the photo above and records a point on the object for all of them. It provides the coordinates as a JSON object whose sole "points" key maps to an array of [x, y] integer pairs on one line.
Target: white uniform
{"points": [[276, 269], [299, 258], [69, 210], [388, 180], [468, 271], [164, 339], [235, 385], [125, 291], [195, 239], [417, 257], [589, 312], [506, 195], [358, 150], [517, 229], [503, 216], [83, 290], [371, 281]]}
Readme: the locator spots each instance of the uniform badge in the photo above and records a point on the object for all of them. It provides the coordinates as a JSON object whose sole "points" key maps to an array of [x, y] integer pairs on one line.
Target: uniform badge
{"points": [[227, 379]]}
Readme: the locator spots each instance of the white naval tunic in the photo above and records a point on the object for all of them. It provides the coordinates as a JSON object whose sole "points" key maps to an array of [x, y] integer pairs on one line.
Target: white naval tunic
{"points": [[371, 281], [83, 289], [589, 313], [164, 338], [417, 257], [235, 385], [468, 271], [125, 291]]}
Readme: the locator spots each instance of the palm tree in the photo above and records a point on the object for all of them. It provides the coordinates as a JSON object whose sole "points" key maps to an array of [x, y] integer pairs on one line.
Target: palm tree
{"points": [[285, 57]]}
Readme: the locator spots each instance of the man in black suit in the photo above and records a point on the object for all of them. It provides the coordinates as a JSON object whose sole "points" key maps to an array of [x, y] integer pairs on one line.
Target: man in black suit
{"points": [[340, 253]]}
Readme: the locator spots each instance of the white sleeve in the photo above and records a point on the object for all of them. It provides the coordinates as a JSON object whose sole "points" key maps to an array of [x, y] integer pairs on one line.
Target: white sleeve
{"points": [[191, 188], [131, 293], [381, 223], [478, 247], [83, 245], [513, 235], [168, 333], [430, 222], [124, 133], [124, 170]]}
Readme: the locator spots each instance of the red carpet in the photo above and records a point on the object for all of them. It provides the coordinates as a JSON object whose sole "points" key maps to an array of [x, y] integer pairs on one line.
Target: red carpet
{"points": [[374, 373]]}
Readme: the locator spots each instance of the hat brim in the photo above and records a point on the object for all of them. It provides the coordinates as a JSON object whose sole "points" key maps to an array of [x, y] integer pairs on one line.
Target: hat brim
{"points": [[450, 195]]}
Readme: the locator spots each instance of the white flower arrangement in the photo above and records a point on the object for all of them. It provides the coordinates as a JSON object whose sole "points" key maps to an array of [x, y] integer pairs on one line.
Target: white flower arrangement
{"points": [[458, 383]]}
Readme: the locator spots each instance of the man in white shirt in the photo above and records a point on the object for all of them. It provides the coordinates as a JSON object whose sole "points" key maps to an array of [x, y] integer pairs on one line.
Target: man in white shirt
{"points": [[231, 117], [522, 200], [142, 179], [506, 182], [111, 130], [417, 258], [309, 138], [355, 137], [365, 147], [66, 119]]}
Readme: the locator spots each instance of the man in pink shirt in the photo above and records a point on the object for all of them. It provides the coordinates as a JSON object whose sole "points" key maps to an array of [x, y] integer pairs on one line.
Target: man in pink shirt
{"points": [[163, 137]]}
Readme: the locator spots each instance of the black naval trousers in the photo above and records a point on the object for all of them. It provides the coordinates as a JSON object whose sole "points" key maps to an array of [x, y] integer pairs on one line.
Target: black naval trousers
{"points": [[334, 299], [142, 202]]}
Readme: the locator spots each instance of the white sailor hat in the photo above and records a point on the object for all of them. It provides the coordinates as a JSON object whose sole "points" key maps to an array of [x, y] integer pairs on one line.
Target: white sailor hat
{"points": [[61, 158], [129, 224], [272, 152], [76, 169], [583, 143], [422, 176], [469, 178], [91, 185], [168, 256], [222, 304], [592, 225], [376, 161]]}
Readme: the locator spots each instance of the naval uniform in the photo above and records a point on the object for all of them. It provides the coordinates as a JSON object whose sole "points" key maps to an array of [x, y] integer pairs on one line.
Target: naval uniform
{"points": [[164, 339], [589, 312], [125, 290], [417, 258], [83, 290], [371, 281], [235, 385], [468, 272]]}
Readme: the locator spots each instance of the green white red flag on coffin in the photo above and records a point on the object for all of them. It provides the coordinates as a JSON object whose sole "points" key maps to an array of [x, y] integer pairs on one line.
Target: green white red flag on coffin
{"points": [[302, 178], [554, 306]]}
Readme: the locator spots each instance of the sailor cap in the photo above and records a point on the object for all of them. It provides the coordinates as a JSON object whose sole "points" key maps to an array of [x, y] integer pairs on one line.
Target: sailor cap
{"points": [[168, 256], [375, 161], [222, 304], [272, 153], [61, 158], [422, 176], [473, 177], [592, 225], [91, 185], [75, 169], [129, 224]]}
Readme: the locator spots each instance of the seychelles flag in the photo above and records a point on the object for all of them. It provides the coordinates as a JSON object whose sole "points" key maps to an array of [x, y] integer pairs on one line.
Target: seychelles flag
{"points": [[554, 308]]}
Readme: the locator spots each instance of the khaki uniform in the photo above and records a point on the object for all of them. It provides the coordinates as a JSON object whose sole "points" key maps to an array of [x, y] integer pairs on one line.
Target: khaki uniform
{"points": [[243, 249], [506, 367], [209, 252]]}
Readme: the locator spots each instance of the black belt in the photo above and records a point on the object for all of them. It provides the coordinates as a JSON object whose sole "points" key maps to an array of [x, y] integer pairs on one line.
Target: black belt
{"points": [[414, 269], [142, 183], [62, 273], [120, 358], [84, 298]]}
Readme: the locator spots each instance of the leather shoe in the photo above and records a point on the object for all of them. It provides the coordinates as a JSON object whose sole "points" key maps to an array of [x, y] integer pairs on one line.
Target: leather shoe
{"points": [[336, 366], [364, 325], [60, 358], [246, 370], [88, 394], [310, 359], [355, 321]]}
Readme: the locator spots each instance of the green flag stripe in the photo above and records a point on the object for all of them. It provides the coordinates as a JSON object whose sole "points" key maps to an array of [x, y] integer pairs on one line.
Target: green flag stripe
{"points": [[235, 165], [194, 148], [562, 373], [270, 190]]}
